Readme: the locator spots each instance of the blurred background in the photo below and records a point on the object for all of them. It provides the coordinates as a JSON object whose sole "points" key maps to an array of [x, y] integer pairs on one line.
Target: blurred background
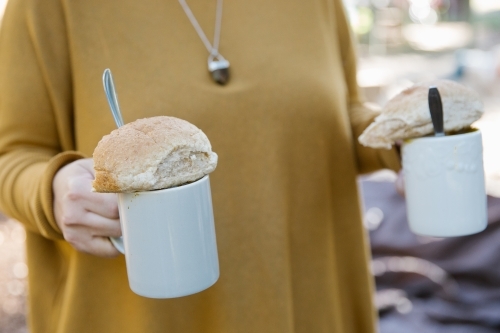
{"points": [[427, 284], [406, 41], [423, 284]]}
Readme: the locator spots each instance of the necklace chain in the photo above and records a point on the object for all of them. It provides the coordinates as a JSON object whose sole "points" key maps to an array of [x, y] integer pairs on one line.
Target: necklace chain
{"points": [[212, 49], [217, 65]]}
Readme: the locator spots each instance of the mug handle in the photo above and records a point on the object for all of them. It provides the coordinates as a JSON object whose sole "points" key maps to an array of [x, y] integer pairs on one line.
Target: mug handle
{"points": [[118, 243]]}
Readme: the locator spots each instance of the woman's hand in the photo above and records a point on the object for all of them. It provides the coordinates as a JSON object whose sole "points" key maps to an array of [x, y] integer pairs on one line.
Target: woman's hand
{"points": [[85, 218], [400, 183]]}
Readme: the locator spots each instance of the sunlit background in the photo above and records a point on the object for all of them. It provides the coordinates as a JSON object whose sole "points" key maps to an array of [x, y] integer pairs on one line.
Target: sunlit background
{"points": [[13, 269], [400, 42], [427, 284], [13, 273], [2, 6], [406, 41]]}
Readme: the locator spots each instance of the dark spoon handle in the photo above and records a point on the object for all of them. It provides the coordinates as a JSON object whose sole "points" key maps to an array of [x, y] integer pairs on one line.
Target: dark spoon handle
{"points": [[436, 109]]}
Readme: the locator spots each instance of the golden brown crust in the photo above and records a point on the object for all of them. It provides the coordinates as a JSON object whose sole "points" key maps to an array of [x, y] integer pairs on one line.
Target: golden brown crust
{"points": [[104, 182]]}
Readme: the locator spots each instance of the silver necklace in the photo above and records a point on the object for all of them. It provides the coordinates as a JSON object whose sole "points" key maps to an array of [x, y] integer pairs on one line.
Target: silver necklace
{"points": [[217, 65]]}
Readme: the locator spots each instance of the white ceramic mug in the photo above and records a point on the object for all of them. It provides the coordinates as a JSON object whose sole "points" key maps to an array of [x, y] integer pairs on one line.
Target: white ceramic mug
{"points": [[445, 185], [169, 240]]}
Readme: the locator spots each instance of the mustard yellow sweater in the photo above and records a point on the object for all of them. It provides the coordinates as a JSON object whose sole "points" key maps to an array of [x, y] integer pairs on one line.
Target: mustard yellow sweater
{"points": [[293, 253]]}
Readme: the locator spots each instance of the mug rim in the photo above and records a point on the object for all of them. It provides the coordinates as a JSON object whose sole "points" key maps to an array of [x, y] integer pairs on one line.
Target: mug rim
{"points": [[171, 189], [474, 131]]}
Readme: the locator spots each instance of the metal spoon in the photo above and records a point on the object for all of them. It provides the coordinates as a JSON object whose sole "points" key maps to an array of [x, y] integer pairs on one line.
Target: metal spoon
{"points": [[436, 110], [109, 89]]}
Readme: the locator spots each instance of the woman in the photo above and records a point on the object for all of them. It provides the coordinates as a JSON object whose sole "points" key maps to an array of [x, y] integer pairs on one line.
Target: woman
{"points": [[292, 249]]}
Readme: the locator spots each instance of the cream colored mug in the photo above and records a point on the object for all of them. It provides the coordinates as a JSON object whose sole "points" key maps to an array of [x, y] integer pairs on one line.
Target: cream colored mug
{"points": [[445, 185]]}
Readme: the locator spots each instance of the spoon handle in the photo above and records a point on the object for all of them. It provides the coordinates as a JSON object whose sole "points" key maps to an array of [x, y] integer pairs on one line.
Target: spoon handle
{"points": [[436, 110], [109, 89]]}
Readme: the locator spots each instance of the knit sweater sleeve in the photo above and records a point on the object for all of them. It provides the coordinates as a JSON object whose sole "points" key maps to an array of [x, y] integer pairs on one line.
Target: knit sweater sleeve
{"points": [[36, 136], [360, 114]]}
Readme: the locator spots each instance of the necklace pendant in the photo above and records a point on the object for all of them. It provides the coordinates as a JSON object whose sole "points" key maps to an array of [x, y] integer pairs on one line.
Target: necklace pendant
{"points": [[219, 69]]}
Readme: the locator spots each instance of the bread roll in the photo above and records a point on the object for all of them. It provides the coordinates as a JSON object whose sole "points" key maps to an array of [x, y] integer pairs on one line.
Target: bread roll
{"points": [[407, 115], [150, 154]]}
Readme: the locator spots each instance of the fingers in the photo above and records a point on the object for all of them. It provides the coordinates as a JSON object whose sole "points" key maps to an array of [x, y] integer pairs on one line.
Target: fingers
{"points": [[400, 183], [90, 234], [80, 192], [82, 241], [85, 218], [104, 248], [104, 204], [101, 226], [88, 165]]}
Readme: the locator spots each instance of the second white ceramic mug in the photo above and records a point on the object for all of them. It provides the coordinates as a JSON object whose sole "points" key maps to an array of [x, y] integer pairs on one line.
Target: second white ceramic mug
{"points": [[444, 185], [169, 240]]}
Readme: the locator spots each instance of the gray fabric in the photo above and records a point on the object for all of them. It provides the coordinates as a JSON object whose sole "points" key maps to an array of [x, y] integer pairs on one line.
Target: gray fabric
{"points": [[464, 297]]}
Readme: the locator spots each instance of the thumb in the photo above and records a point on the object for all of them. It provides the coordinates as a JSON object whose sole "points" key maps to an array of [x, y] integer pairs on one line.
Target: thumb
{"points": [[88, 165], [400, 183]]}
